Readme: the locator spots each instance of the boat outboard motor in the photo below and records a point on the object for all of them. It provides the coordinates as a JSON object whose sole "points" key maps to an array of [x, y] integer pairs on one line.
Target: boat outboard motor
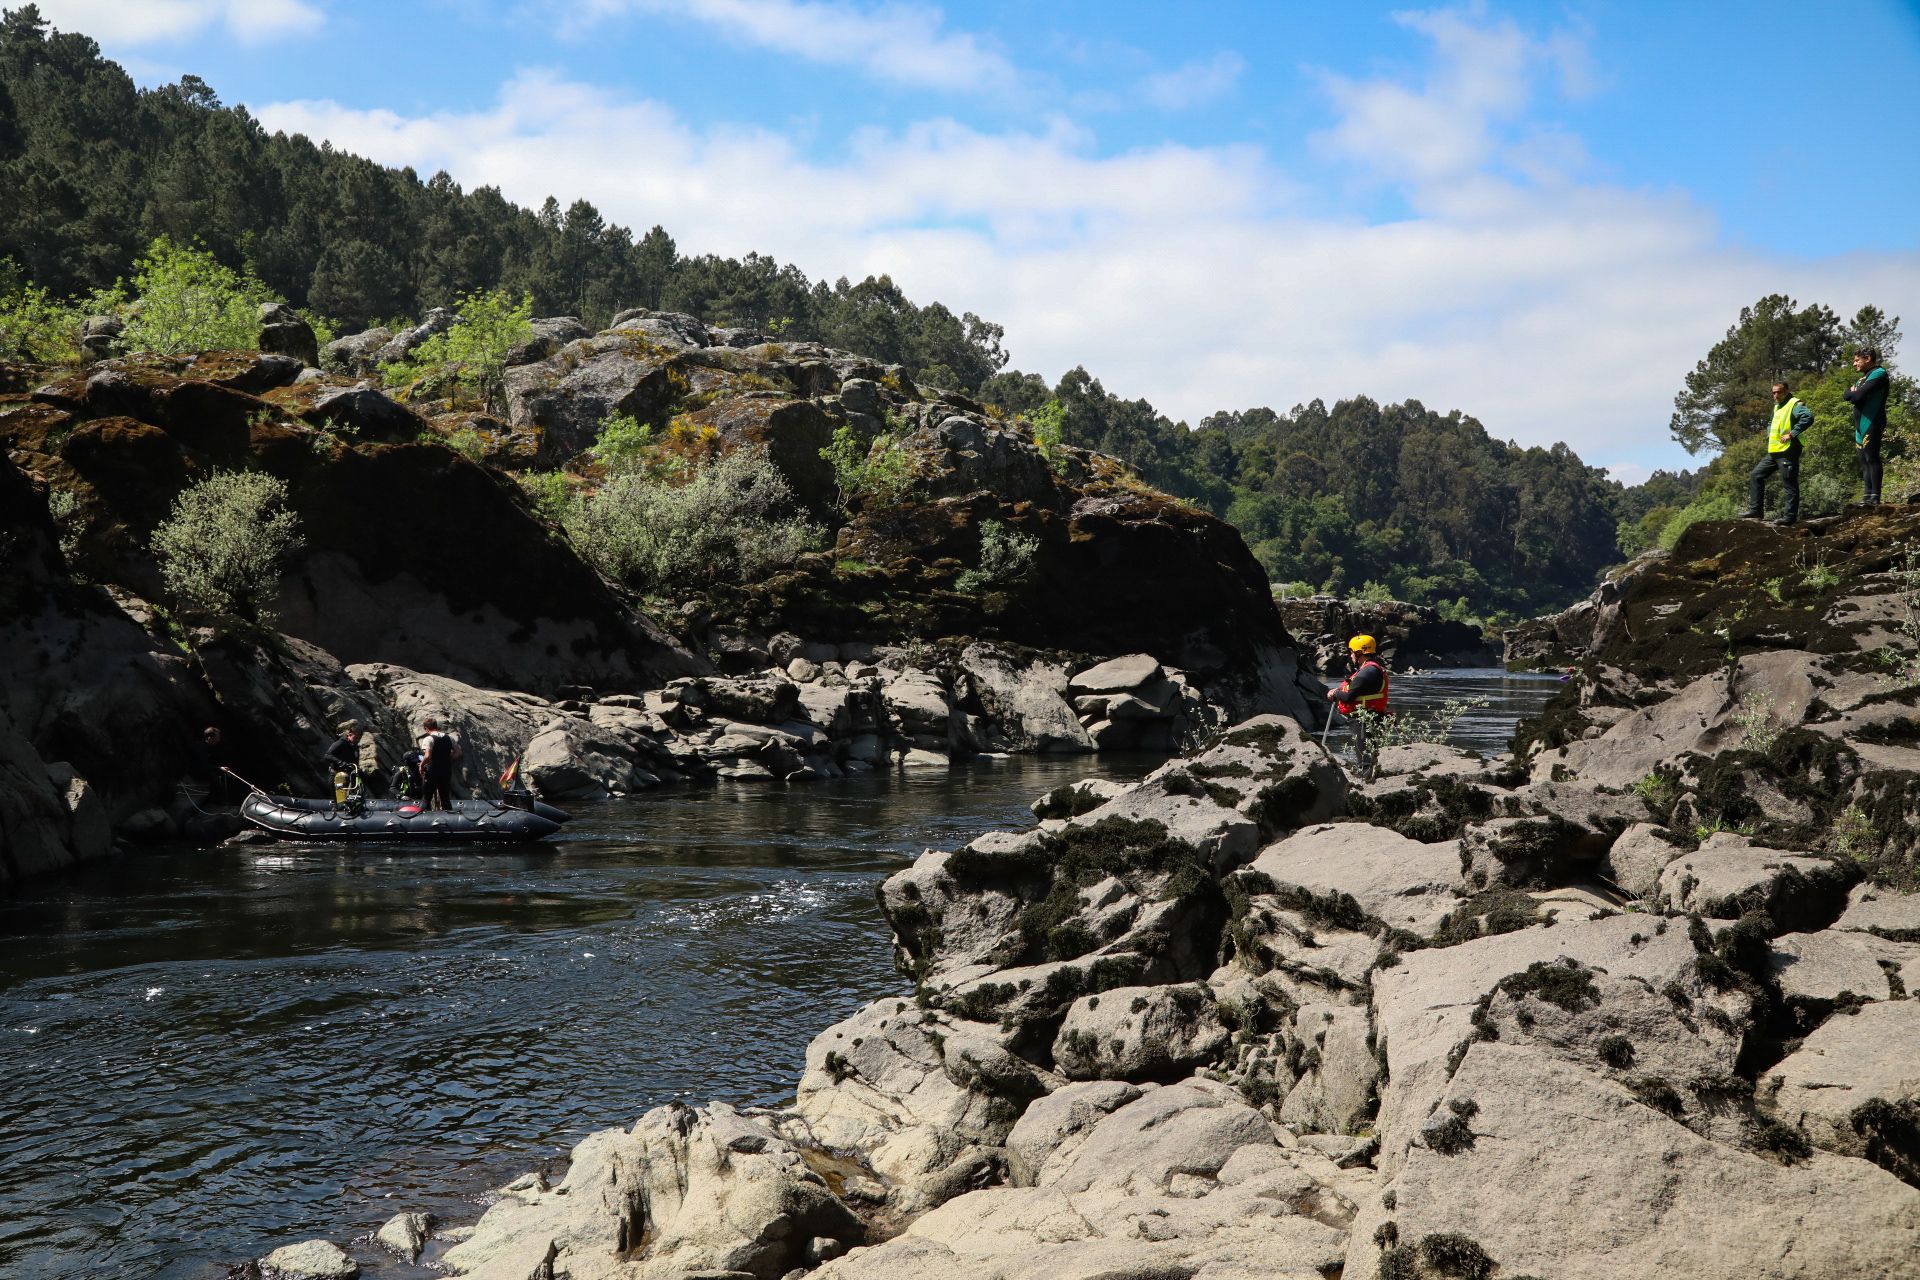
{"points": [[518, 798]]}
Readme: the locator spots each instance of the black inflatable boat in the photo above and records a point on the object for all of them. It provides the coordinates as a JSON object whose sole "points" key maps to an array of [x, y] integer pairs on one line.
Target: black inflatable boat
{"points": [[472, 822], [514, 800]]}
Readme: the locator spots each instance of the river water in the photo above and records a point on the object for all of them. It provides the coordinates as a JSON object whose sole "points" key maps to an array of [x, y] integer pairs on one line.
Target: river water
{"points": [[210, 1053]]}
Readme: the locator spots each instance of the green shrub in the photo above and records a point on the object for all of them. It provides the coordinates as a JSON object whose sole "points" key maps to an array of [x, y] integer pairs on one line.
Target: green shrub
{"points": [[1374, 593], [1049, 426], [551, 495], [1718, 506], [472, 354], [468, 443], [623, 441], [1006, 559], [38, 328], [728, 522], [1385, 731], [221, 549], [191, 301], [875, 474]]}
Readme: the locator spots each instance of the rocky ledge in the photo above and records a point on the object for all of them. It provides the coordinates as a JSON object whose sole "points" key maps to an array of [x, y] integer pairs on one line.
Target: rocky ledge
{"points": [[1251, 1017]]}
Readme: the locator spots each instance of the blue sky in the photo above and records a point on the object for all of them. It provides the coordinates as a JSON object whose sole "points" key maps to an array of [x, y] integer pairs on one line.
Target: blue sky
{"points": [[1539, 214]]}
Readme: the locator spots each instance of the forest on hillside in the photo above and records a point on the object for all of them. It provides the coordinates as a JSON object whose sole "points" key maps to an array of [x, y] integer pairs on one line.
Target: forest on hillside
{"points": [[1357, 497]]}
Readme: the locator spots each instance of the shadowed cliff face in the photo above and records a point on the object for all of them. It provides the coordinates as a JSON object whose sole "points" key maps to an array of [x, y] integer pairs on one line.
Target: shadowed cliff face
{"points": [[410, 550]]}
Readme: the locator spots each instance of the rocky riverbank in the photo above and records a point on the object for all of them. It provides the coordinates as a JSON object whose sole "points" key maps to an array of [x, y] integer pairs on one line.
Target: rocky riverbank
{"points": [[428, 583], [1635, 1001]]}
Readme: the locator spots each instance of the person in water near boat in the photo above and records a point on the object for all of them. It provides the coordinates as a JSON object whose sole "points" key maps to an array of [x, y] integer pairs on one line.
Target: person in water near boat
{"points": [[204, 758], [1364, 690], [438, 754]]}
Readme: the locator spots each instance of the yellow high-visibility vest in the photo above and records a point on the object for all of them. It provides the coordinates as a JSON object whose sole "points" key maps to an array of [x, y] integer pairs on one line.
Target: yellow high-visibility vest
{"points": [[1780, 436]]}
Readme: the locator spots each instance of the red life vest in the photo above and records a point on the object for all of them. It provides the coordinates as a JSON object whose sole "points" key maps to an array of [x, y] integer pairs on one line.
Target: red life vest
{"points": [[1374, 702]]}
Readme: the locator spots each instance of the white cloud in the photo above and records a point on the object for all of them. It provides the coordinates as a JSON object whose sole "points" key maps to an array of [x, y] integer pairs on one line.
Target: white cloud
{"points": [[901, 44], [1197, 277], [1195, 83], [1468, 113], [137, 22]]}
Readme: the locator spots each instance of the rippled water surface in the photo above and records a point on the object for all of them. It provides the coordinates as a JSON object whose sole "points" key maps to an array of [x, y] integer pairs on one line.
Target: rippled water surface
{"points": [[209, 1053]]}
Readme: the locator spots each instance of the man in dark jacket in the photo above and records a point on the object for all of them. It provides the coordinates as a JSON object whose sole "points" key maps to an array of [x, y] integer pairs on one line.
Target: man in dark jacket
{"points": [[344, 756], [1868, 397]]}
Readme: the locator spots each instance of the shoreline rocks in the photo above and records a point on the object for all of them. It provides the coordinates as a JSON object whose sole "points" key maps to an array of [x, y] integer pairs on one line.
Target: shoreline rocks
{"points": [[1250, 1017]]}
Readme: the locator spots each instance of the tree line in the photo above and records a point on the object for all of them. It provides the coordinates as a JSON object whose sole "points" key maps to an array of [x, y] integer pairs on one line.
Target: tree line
{"points": [[1358, 496], [93, 169]]}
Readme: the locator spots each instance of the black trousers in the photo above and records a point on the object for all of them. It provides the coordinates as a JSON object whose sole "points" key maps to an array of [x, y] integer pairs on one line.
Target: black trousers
{"points": [[1870, 467], [1787, 463], [439, 791]]}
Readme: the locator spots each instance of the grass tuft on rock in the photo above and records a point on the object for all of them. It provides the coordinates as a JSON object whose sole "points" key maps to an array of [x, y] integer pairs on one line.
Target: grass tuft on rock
{"points": [[1565, 984], [1455, 1256]]}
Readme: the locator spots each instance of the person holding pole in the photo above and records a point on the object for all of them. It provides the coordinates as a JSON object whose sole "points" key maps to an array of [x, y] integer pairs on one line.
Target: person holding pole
{"points": [[1364, 690]]}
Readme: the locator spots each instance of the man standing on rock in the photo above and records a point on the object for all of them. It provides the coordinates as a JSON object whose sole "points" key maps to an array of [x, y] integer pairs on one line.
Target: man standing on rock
{"points": [[1868, 397], [1363, 691], [1790, 421]]}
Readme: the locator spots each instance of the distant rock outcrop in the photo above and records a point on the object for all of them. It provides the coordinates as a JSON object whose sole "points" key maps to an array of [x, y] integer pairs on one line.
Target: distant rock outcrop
{"points": [[1409, 635]]}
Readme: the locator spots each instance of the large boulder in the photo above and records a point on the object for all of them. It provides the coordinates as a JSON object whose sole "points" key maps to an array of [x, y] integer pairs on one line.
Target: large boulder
{"points": [[35, 822], [1729, 875], [1853, 1086], [1703, 718], [310, 1260], [402, 345], [1430, 1005], [356, 354], [1354, 875], [571, 393], [666, 328], [89, 829], [1025, 702], [684, 1190], [284, 331], [1140, 1034], [1566, 1175], [926, 1100], [550, 333], [1182, 1180], [975, 454]]}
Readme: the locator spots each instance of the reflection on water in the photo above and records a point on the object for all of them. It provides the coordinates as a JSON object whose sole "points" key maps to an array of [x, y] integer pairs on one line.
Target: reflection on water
{"points": [[207, 1054]]}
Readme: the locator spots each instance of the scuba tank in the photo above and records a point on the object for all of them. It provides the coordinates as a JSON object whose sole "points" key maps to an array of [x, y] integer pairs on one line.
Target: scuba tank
{"points": [[340, 787]]}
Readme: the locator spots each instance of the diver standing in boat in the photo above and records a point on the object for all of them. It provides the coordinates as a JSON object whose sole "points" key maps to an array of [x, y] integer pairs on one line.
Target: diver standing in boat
{"points": [[344, 755], [438, 752]]}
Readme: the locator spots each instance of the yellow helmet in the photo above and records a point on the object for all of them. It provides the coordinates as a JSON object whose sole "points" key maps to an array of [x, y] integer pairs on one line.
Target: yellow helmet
{"points": [[1361, 644]]}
